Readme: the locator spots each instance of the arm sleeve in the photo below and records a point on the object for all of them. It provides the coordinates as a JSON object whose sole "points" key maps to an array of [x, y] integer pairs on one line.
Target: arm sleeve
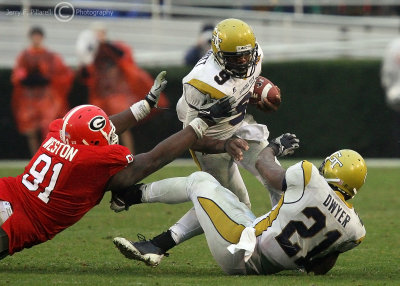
{"points": [[194, 100], [294, 175], [297, 178], [356, 236], [350, 244]]}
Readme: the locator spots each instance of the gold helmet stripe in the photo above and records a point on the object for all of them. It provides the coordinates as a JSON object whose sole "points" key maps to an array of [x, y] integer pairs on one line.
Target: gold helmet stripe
{"points": [[206, 89]]}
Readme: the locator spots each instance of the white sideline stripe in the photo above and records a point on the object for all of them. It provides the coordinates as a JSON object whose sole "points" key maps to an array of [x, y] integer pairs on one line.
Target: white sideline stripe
{"points": [[373, 162]]}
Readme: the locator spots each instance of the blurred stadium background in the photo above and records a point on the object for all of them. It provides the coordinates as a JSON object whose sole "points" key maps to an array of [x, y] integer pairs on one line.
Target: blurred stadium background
{"points": [[324, 55]]}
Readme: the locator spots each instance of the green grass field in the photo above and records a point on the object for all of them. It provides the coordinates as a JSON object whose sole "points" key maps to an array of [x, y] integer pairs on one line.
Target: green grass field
{"points": [[84, 254]]}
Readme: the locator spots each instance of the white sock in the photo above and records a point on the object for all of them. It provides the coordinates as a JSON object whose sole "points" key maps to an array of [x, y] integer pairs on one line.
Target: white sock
{"points": [[187, 227]]}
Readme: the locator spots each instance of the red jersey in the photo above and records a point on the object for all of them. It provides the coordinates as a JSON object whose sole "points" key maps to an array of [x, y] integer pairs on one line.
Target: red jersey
{"points": [[60, 184]]}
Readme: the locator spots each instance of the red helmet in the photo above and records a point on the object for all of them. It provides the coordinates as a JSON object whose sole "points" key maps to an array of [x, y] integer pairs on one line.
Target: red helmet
{"points": [[88, 125]]}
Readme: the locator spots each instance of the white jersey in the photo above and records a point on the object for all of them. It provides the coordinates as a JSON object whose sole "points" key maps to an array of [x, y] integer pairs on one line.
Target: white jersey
{"points": [[207, 82], [310, 221]]}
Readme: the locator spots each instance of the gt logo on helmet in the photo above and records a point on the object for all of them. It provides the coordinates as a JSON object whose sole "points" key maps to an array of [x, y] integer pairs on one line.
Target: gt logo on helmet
{"points": [[97, 123], [334, 160], [215, 38]]}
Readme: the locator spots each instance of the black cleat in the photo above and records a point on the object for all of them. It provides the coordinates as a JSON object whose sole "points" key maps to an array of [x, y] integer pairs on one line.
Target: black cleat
{"points": [[143, 250]]}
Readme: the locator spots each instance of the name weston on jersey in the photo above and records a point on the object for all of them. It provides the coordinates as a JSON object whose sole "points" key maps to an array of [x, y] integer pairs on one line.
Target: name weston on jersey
{"points": [[58, 148], [334, 207]]}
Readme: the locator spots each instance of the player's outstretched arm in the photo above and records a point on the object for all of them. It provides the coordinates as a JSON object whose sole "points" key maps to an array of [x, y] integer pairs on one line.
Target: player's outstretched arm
{"points": [[130, 117], [146, 163], [266, 164], [169, 149], [232, 146]]}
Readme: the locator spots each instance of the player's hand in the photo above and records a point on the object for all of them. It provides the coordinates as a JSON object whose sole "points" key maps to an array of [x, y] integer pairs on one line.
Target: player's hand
{"points": [[158, 86], [117, 204], [212, 113], [266, 106], [322, 265], [235, 147], [284, 144]]}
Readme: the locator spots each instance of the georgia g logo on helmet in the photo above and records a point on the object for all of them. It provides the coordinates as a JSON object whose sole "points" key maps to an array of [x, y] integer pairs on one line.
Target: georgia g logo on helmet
{"points": [[97, 123]]}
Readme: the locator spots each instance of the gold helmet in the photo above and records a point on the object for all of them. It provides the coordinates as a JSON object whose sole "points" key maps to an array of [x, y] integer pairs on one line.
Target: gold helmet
{"points": [[345, 170], [235, 48]]}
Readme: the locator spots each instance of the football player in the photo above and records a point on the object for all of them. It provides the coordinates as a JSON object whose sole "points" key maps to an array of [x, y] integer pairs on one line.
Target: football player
{"points": [[77, 162], [229, 69], [310, 226]]}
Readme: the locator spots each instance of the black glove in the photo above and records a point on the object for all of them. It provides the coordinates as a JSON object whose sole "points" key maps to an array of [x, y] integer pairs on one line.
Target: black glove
{"points": [[123, 199], [212, 113], [284, 144]]}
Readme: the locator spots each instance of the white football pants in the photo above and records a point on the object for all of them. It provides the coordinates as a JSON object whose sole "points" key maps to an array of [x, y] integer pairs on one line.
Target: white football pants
{"points": [[226, 171], [219, 213]]}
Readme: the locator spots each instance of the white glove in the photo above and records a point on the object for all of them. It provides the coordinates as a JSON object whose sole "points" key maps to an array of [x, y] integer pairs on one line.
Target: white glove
{"points": [[159, 85]]}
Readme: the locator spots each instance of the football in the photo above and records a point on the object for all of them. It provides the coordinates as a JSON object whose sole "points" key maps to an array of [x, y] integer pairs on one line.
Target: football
{"points": [[265, 89]]}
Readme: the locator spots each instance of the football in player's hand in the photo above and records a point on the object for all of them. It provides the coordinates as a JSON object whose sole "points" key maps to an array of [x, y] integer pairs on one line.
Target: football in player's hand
{"points": [[266, 95]]}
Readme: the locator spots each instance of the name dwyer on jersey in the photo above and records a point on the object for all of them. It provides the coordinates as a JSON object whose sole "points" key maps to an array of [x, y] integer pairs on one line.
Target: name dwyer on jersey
{"points": [[334, 207], [58, 148]]}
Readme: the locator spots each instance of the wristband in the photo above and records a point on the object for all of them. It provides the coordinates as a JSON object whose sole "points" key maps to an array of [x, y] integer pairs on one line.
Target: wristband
{"points": [[226, 142], [151, 99], [199, 126], [140, 109], [274, 147]]}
